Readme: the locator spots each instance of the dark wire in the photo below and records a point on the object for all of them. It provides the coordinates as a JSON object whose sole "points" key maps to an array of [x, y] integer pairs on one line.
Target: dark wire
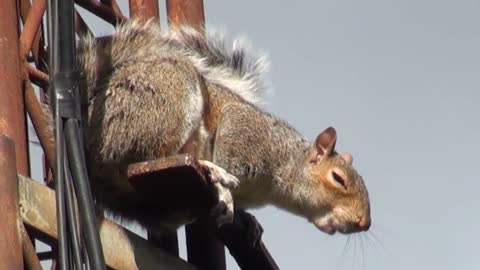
{"points": [[63, 70], [72, 218], [63, 244], [85, 201]]}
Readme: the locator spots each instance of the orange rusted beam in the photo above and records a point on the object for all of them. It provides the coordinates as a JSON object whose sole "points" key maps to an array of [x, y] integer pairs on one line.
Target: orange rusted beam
{"points": [[145, 9], [11, 243], [32, 24], [40, 124], [37, 76], [189, 12], [38, 42], [12, 115], [203, 247]]}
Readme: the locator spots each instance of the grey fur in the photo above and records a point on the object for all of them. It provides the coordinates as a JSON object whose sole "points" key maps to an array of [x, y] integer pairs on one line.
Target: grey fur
{"points": [[238, 68]]}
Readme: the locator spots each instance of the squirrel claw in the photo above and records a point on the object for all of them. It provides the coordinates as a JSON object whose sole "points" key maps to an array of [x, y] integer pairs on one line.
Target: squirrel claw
{"points": [[223, 182], [219, 175], [223, 211]]}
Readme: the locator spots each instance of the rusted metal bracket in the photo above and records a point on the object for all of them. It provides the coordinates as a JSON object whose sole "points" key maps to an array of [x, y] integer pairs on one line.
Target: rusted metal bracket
{"points": [[171, 184]]}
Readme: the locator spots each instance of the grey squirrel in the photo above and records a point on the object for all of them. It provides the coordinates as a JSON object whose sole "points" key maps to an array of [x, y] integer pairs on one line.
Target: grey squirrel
{"points": [[150, 94]]}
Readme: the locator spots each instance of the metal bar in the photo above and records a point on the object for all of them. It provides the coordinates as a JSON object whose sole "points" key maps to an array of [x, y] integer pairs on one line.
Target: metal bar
{"points": [[243, 239], [101, 10], [81, 26], [40, 124], [38, 42], [72, 213], [61, 214], [12, 115], [168, 242], [30, 258], [190, 190], [145, 9], [78, 168], [31, 27], [186, 12], [204, 249], [37, 76], [11, 245], [46, 255], [114, 6], [122, 248]]}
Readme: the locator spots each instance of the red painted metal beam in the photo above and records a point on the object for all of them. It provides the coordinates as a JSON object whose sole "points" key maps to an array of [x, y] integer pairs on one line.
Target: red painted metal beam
{"points": [[11, 244], [145, 9], [204, 249], [188, 12], [31, 26], [35, 13], [12, 115]]}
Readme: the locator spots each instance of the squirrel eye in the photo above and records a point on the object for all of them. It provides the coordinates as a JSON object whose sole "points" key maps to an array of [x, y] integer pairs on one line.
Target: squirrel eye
{"points": [[338, 179]]}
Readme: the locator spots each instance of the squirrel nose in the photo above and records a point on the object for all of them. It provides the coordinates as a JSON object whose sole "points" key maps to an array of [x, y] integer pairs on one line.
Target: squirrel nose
{"points": [[364, 223]]}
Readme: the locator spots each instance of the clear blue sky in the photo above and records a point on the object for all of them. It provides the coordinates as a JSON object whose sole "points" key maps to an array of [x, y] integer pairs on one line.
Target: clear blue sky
{"points": [[400, 81]]}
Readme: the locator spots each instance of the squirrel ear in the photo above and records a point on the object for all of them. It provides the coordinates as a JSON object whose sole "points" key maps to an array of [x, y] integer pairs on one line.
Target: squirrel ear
{"points": [[325, 142], [347, 157]]}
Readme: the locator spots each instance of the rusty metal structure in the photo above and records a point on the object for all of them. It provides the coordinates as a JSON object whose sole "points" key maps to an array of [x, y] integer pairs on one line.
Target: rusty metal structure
{"points": [[28, 207]]}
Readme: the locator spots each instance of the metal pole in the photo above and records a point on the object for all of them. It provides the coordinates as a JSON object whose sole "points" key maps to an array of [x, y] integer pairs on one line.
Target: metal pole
{"points": [[10, 245], [12, 114], [145, 9], [204, 249], [186, 12]]}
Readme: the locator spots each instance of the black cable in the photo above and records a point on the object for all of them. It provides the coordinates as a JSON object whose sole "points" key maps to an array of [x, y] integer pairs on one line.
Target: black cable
{"points": [[84, 197], [66, 37], [72, 218], [63, 239], [63, 245], [66, 82]]}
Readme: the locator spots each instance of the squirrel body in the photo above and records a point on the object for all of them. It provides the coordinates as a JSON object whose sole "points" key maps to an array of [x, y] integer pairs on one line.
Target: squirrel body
{"points": [[150, 94]]}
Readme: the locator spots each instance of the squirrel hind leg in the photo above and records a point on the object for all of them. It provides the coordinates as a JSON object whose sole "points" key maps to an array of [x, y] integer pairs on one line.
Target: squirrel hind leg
{"points": [[148, 110]]}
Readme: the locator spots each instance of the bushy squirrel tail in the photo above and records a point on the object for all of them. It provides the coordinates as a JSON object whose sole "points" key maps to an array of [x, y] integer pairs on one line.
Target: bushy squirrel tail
{"points": [[236, 67]]}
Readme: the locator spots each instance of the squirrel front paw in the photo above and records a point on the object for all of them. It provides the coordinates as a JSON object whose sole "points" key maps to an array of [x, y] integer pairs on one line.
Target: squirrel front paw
{"points": [[223, 183]]}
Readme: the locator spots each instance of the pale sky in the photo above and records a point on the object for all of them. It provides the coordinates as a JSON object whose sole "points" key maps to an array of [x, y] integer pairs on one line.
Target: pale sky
{"points": [[399, 80]]}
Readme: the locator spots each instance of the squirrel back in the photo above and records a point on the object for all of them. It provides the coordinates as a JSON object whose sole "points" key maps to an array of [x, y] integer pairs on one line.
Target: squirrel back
{"points": [[237, 68]]}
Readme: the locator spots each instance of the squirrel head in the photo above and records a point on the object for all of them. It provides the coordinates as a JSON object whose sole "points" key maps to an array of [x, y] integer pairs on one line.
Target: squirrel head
{"points": [[340, 200]]}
